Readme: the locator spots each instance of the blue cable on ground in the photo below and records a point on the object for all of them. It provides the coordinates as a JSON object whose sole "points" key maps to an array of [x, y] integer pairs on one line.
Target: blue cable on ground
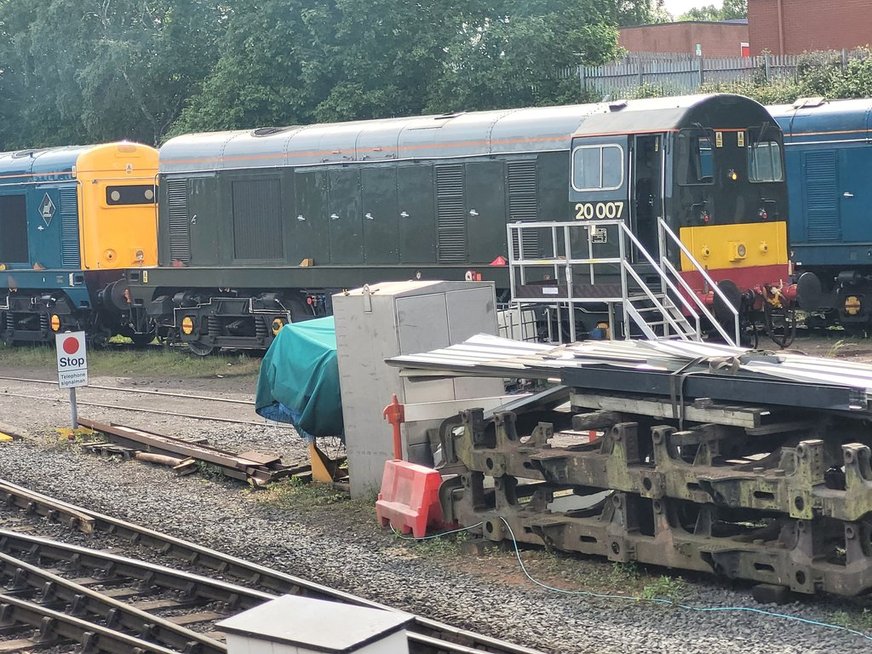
{"points": [[686, 607], [652, 600]]}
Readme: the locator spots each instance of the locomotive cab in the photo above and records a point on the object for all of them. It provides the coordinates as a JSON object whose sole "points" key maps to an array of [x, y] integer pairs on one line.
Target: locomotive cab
{"points": [[712, 168]]}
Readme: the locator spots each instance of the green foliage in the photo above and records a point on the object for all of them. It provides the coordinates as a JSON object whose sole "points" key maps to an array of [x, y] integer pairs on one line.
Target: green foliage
{"points": [[97, 70], [296, 493], [510, 58], [853, 618], [83, 71], [730, 9], [640, 12], [450, 545], [624, 575], [210, 471], [665, 588]]}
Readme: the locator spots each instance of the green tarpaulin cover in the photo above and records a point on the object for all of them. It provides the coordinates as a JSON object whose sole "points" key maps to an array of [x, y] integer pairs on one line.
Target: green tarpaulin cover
{"points": [[299, 379]]}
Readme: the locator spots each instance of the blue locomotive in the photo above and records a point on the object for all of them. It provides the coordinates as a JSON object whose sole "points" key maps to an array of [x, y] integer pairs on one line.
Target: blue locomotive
{"points": [[828, 155], [71, 219]]}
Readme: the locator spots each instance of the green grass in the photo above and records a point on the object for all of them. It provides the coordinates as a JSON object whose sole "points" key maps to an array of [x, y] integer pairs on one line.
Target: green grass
{"points": [[672, 589], [124, 362], [295, 493], [859, 619]]}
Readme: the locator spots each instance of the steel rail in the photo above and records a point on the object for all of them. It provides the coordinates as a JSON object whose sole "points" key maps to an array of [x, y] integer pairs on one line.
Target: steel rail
{"points": [[54, 626], [263, 423], [141, 391], [83, 601], [52, 509], [422, 631]]}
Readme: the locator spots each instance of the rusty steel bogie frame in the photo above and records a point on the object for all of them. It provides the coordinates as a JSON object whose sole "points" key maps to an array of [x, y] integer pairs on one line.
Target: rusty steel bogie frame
{"points": [[785, 503]]}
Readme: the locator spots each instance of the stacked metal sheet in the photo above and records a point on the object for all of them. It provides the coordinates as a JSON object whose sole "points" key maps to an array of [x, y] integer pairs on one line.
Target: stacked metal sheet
{"points": [[791, 377]]}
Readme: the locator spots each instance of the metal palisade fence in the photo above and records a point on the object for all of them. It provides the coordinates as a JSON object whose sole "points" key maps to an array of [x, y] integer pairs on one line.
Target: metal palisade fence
{"points": [[679, 73]]}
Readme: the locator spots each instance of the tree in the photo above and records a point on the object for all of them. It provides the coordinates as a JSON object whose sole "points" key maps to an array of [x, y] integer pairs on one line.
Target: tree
{"points": [[640, 12], [97, 70], [511, 55], [299, 61], [731, 9]]}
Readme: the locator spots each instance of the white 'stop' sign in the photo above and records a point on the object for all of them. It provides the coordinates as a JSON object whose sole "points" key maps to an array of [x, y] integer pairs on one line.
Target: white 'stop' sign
{"points": [[72, 359]]}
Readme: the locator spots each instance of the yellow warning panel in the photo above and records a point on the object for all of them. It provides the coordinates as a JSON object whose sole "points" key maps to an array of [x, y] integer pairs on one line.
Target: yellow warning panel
{"points": [[743, 245]]}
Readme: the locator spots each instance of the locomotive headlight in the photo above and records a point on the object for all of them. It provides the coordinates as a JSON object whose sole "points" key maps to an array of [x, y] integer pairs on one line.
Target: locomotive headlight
{"points": [[187, 325], [741, 250], [732, 174], [852, 305], [55, 322]]}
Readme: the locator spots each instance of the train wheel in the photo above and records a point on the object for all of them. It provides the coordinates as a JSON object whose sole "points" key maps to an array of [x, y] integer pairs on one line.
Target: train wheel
{"points": [[780, 324], [142, 340], [200, 349]]}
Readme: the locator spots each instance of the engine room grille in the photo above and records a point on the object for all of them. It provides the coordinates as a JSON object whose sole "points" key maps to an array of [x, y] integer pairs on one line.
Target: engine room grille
{"points": [[523, 206], [257, 219], [450, 214], [177, 203], [821, 196], [69, 214]]}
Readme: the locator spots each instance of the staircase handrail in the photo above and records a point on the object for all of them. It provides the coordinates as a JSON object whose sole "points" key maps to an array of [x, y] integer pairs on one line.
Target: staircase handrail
{"points": [[708, 279]]}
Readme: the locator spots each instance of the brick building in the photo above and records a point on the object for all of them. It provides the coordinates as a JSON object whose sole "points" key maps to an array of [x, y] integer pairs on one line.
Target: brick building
{"points": [[796, 26], [717, 39]]}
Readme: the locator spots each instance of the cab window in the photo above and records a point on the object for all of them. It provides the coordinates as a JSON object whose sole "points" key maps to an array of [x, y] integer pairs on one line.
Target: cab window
{"points": [[597, 167], [130, 194], [696, 162], [764, 159]]}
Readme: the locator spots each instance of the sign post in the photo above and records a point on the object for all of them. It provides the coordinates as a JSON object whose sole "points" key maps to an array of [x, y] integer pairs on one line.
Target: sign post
{"points": [[72, 367]]}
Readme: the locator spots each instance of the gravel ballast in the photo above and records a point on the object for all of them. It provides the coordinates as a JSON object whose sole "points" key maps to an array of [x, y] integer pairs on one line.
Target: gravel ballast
{"points": [[343, 547]]}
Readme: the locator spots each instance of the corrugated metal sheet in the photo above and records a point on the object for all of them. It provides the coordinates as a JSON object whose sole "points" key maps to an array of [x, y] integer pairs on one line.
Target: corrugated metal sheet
{"points": [[491, 356]]}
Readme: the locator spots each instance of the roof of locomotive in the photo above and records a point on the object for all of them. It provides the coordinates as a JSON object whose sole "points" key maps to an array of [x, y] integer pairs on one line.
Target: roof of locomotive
{"points": [[722, 110], [818, 116], [43, 162], [431, 137], [62, 163], [391, 139]]}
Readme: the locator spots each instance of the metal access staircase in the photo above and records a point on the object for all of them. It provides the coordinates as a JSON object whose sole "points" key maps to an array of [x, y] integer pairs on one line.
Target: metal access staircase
{"points": [[646, 292]]}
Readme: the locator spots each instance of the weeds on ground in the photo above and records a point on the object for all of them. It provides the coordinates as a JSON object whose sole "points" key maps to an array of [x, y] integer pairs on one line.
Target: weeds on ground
{"points": [[210, 471], [665, 588], [860, 620], [833, 350], [624, 576], [297, 493], [68, 435], [449, 545]]}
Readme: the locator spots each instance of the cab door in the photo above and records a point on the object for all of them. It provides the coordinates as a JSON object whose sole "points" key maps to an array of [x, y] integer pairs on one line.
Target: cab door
{"points": [[599, 189], [646, 188]]}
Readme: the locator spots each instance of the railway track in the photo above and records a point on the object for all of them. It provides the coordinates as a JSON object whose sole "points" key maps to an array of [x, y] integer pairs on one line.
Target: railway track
{"points": [[99, 601]]}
